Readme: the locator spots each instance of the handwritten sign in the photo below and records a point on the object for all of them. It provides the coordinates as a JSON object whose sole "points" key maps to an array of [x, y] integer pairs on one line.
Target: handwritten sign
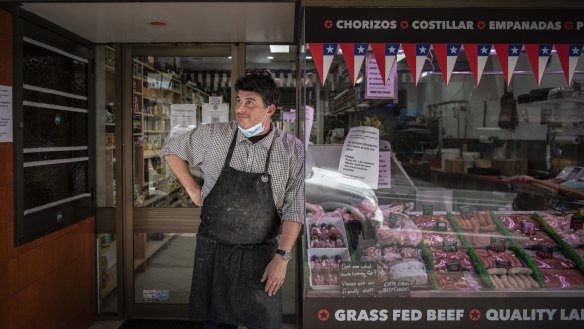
{"points": [[395, 289], [465, 212], [545, 251], [358, 279], [384, 169], [375, 87], [577, 222], [428, 210], [441, 226]]}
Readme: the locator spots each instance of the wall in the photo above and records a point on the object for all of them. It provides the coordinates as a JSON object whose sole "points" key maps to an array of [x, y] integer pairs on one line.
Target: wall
{"points": [[48, 283]]}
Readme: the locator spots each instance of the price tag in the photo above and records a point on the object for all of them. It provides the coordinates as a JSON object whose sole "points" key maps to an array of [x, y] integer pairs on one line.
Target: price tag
{"points": [[453, 267], [428, 210], [465, 212], [449, 245], [393, 220], [441, 226], [527, 227], [545, 251], [577, 222], [498, 244], [503, 263]]}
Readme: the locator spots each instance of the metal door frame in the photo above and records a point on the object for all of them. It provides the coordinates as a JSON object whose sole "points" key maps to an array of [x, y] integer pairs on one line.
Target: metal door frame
{"points": [[156, 219]]}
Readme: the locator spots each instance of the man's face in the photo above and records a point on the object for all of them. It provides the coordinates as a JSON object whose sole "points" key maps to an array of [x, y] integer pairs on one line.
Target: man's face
{"points": [[250, 109]]}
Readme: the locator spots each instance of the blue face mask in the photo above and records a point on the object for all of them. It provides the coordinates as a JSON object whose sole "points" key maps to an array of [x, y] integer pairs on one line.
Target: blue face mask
{"points": [[253, 131]]}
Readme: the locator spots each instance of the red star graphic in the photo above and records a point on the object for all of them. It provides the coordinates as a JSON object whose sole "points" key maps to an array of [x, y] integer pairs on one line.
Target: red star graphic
{"points": [[475, 314], [323, 315]]}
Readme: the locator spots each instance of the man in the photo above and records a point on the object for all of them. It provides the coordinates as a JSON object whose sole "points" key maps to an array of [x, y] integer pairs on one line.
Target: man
{"points": [[253, 191]]}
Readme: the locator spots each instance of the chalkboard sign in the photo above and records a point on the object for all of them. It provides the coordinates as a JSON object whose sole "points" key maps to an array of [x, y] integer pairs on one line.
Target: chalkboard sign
{"points": [[453, 267], [358, 279], [450, 245], [428, 210], [545, 251], [498, 244], [441, 226], [394, 220], [576, 223], [465, 212], [395, 289], [503, 263]]}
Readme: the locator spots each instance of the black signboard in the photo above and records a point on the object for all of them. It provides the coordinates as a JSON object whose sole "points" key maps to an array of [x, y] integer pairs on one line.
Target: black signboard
{"points": [[444, 25], [358, 279], [577, 222]]}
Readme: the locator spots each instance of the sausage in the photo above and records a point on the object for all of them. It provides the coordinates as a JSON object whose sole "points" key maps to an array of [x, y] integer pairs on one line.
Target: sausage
{"points": [[481, 218], [519, 282], [497, 282], [506, 282], [525, 280], [488, 218], [534, 283]]}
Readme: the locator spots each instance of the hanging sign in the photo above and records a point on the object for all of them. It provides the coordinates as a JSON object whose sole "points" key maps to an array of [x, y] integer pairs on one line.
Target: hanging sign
{"points": [[308, 120], [375, 88], [444, 25], [360, 155]]}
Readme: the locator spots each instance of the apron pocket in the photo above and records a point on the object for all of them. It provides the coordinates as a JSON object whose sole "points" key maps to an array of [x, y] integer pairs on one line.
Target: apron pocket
{"points": [[254, 264]]}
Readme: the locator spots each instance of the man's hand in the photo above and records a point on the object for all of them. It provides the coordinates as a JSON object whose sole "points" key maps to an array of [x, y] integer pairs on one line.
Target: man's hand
{"points": [[275, 274]]}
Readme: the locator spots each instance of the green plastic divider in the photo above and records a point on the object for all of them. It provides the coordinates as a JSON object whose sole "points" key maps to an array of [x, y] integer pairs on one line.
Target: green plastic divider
{"points": [[427, 255], [481, 270], [568, 250], [519, 251]]}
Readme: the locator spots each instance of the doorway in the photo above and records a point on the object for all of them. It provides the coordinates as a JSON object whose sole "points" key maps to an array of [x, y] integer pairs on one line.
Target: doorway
{"points": [[165, 91]]}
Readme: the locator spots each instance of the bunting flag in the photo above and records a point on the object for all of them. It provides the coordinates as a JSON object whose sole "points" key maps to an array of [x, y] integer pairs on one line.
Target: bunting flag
{"points": [[446, 54], [354, 54], [569, 56], [477, 56], [508, 55], [385, 55], [323, 55], [538, 57], [416, 54]]}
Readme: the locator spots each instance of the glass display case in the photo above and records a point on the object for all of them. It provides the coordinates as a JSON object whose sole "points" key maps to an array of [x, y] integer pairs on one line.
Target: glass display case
{"points": [[444, 171]]}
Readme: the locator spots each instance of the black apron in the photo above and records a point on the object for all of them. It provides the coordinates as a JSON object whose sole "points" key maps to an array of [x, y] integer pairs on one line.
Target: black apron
{"points": [[235, 243]]}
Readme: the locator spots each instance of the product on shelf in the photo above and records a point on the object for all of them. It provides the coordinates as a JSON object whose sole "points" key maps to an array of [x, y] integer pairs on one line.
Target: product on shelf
{"points": [[443, 258], [324, 267], [561, 225], [514, 281], [526, 230], [552, 261], [561, 278], [501, 262], [457, 280], [398, 228], [327, 235], [436, 230], [398, 264]]}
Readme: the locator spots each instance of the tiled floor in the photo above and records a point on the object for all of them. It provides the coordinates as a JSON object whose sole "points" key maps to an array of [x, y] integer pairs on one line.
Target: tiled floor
{"points": [[170, 268]]}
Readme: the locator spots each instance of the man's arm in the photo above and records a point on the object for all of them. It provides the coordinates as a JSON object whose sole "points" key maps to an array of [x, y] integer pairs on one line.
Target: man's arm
{"points": [[275, 272], [181, 170]]}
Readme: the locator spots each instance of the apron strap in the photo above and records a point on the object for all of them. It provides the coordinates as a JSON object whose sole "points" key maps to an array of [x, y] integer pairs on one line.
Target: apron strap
{"points": [[230, 152]]}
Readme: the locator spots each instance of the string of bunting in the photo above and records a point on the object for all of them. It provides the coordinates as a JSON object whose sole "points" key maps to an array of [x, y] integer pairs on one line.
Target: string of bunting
{"points": [[446, 55]]}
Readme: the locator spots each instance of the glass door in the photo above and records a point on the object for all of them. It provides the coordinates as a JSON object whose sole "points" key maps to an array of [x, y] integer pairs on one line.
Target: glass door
{"points": [[173, 89]]}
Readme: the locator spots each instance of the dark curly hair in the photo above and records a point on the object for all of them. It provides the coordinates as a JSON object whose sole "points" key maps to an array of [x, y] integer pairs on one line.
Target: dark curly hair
{"points": [[264, 85]]}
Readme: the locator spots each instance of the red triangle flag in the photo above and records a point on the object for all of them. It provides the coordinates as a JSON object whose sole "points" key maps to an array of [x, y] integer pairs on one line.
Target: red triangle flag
{"points": [[354, 54], [323, 55], [446, 54], [569, 55], [477, 56], [385, 55], [538, 57], [508, 55], [416, 54]]}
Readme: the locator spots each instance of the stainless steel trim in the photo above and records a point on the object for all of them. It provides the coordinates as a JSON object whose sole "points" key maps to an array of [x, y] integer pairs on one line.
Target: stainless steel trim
{"points": [[55, 203], [56, 50], [53, 92], [52, 162], [54, 149], [54, 107]]}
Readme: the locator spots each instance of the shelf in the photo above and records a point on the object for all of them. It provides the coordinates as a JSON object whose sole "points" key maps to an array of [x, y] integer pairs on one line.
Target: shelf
{"points": [[156, 131], [137, 93], [109, 148], [558, 101], [152, 246], [109, 68], [151, 154]]}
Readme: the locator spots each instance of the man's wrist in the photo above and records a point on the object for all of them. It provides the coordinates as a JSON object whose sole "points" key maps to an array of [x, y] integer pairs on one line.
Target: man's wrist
{"points": [[285, 254]]}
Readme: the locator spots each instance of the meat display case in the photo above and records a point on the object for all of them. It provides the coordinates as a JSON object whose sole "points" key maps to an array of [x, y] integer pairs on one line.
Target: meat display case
{"points": [[420, 252]]}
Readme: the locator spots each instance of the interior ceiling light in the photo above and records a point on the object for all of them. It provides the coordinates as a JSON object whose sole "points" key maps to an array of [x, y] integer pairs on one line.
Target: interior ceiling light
{"points": [[157, 23], [279, 49], [308, 57], [270, 57]]}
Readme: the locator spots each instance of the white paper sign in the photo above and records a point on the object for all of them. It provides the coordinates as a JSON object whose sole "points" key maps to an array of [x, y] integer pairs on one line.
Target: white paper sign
{"points": [[308, 120], [215, 113], [215, 100], [360, 155], [6, 114], [183, 117], [375, 88], [384, 169]]}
